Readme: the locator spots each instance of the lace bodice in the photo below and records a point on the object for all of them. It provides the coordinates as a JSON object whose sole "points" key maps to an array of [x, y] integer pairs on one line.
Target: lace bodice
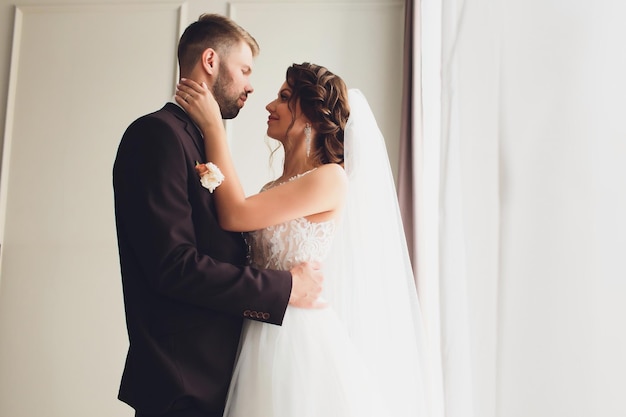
{"points": [[285, 245]]}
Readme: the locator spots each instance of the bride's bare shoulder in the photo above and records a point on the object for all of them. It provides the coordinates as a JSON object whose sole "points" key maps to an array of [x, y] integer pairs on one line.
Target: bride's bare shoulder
{"points": [[327, 178], [332, 172]]}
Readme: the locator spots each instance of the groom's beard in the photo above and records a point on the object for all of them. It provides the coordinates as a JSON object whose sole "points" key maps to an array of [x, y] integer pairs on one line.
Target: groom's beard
{"points": [[228, 100]]}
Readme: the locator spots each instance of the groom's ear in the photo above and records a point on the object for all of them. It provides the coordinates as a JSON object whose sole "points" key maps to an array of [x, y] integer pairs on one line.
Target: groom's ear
{"points": [[209, 61]]}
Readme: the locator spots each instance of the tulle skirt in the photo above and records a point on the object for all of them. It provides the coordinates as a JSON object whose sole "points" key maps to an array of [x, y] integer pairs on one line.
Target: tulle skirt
{"points": [[307, 367]]}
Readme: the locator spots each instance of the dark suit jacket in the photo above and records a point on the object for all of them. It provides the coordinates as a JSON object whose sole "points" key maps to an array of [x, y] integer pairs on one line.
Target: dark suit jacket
{"points": [[186, 286]]}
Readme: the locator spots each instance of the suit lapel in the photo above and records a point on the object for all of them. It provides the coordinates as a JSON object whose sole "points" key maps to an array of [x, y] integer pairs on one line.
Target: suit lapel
{"points": [[190, 127]]}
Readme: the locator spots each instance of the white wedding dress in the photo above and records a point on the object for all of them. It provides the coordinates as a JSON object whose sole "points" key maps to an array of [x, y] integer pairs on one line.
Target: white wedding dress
{"points": [[307, 367], [364, 355]]}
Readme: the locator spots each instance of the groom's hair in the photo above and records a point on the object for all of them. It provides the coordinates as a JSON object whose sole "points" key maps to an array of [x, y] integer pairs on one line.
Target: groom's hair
{"points": [[211, 31]]}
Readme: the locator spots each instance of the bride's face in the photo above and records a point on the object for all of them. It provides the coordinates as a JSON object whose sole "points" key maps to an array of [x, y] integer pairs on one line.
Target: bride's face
{"points": [[281, 116]]}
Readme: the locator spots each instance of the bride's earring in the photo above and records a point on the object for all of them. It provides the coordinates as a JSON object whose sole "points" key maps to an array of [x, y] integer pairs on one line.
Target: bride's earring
{"points": [[307, 139]]}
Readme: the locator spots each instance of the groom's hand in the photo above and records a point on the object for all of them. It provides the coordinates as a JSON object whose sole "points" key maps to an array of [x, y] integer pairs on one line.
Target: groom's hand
{"points": [[306, 286]]}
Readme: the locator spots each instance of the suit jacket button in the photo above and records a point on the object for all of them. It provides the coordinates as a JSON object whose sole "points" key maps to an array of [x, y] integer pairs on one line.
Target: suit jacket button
{"points": [[266, 316], [246, 313]]}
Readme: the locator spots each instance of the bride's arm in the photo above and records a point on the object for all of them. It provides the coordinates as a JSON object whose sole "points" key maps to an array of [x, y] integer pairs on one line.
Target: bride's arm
{"points": [[320, 191]]}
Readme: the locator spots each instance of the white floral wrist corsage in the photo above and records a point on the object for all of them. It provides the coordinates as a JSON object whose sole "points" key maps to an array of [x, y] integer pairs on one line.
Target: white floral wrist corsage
{"points": [[210, 175]]}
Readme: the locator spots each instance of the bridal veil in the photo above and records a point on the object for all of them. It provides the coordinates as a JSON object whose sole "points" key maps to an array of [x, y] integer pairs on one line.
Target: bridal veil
{"points": [[369, 279]]}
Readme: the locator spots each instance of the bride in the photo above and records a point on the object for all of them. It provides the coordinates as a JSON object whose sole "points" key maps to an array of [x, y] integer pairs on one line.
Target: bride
{"points": [[359, 353]]}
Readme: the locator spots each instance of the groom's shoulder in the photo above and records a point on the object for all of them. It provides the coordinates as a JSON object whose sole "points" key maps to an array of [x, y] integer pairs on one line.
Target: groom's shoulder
{"points": [[169, 112], [165, 117]]}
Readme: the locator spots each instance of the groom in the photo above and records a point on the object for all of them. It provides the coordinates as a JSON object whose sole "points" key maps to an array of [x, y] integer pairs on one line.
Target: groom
{"points": [[186, 286]]}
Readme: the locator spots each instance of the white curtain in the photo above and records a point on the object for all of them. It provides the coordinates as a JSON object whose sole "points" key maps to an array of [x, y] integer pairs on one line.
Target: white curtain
{"points": [[523, 109], [563, 145], [439, 232]]}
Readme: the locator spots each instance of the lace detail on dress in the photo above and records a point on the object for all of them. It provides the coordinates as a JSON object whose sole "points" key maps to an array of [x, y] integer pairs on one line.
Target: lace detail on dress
{"points": [[295, 177], [285, 245]]}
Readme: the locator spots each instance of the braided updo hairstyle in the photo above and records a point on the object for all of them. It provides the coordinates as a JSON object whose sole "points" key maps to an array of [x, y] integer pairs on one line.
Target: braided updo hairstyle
{"points": [[324, 101]]}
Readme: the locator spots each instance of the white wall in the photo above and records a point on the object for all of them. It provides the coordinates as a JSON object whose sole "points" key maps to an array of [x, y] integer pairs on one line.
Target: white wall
{"points": [[84, 74], [366, 53], [61, 313]]}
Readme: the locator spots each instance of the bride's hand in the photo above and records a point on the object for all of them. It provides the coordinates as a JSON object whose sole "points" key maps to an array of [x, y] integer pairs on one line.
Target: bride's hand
{"points": [[199, 103]]}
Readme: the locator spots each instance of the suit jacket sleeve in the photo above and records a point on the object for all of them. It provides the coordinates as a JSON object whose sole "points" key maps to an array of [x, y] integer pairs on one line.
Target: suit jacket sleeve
{"points": [[154, 182]]}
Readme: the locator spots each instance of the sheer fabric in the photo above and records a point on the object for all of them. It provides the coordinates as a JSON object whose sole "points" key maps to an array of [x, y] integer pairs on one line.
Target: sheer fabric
{"points": [[369, 276]]}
